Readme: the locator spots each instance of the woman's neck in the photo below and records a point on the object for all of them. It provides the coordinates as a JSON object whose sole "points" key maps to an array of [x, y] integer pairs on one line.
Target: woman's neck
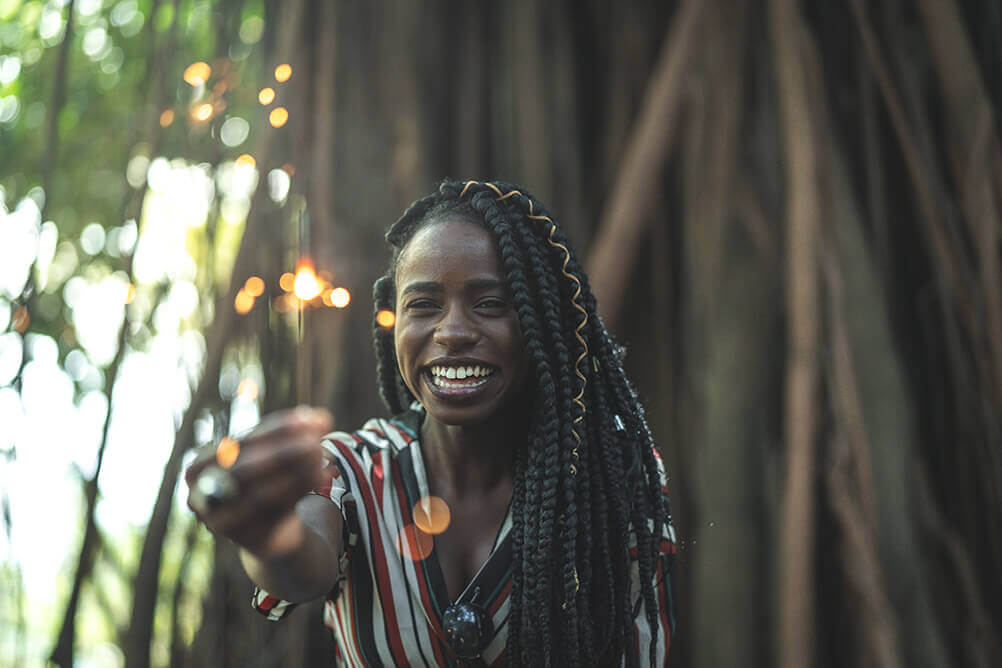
{"points": [[471, 459]]}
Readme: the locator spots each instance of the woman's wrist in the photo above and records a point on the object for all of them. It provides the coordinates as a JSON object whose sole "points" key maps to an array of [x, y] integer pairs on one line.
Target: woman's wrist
{"points": [[279, 542]]}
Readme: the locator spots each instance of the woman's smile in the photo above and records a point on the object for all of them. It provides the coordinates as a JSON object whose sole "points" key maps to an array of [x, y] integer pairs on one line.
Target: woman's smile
{"points": [[459, 379]]}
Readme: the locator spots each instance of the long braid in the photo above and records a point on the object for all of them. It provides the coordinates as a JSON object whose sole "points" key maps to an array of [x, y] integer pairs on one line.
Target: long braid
{"points": [[587, 480], [518, 512], [569, 452], [386, 357], [538, 567]]}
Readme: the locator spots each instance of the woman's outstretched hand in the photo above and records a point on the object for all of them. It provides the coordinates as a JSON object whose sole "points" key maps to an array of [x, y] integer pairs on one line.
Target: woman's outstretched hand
{"points": [[247, 490]]}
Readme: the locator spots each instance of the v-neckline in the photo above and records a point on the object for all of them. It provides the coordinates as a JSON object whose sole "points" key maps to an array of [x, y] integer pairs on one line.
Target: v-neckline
{"points": [[493, 572]]}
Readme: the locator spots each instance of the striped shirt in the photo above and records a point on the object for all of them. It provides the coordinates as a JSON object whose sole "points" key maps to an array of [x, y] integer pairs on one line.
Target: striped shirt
{"points": [[387, 605]]}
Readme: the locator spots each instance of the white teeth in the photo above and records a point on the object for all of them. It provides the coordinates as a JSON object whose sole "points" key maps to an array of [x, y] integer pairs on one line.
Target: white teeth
{"points": [[460, 372], [442, 381]]}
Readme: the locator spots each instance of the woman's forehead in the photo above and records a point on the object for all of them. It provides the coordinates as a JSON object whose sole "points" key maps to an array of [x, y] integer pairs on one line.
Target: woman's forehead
{"points": [[450, 245]]}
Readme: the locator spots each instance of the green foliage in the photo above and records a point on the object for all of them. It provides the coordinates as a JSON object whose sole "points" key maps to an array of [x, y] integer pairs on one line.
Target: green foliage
{"points": [[122, 109]]}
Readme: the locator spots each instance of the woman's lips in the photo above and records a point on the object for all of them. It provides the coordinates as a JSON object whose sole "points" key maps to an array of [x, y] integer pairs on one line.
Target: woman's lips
{"points": [[456, 388]]}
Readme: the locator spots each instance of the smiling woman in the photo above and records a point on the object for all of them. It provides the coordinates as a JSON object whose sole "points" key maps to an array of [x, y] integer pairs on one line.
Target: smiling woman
{"points": [[455, 313], [513, 420]]}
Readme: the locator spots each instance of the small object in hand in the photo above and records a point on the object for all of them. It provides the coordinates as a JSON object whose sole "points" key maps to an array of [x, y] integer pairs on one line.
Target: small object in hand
{"points": [[213, 488]]}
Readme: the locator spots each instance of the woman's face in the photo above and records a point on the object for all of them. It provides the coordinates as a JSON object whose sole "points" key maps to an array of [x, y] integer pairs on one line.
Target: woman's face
{"points": [[457, 337]]}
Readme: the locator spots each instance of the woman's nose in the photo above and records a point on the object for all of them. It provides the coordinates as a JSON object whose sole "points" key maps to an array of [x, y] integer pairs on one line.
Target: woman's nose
{"points": [[455, 331]]}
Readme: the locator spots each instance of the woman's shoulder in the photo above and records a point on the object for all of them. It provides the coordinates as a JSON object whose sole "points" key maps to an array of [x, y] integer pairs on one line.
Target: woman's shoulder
{"points": [[377, 434]]}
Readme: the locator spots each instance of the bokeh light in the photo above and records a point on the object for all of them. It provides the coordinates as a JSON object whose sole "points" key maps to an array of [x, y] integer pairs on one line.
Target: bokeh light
{"points": [[254, 286], [166, 118], [340, 297], [278, 117], [278, 185], [306, 285], [130, 294], [197, 74], [246, 159], [248, 389], [414, 543], [386, 318], [243, 302], [283, 72], [432, 515], [203, 112], [234, 131], [227, 452], [251, 29], [21, 319], [92, 238], [287, 281], [266, 96]]}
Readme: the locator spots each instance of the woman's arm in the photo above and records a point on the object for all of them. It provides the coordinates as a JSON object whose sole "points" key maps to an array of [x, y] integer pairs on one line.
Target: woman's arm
{"points": [[309, 568], [289, 539]]}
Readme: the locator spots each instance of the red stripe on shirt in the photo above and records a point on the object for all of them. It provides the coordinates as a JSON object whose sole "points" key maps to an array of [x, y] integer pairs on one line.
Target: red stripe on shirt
{"points": [[437, 631], [379, 562]]}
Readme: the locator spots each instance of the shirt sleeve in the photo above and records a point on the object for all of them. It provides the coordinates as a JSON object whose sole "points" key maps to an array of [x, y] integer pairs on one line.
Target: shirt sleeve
{"points": [[336, 488], [663, 588]]}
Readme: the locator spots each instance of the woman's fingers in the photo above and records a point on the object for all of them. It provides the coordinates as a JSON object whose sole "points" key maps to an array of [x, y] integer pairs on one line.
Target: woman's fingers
{"points": [[281, 424], [248, 489]]}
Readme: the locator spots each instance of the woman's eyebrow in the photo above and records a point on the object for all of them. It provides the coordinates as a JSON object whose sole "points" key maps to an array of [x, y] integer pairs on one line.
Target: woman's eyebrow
{"points": [[421, 286]]}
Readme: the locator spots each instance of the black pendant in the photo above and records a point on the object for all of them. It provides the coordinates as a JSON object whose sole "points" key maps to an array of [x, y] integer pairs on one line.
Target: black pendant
{"points": [[467, 628]]}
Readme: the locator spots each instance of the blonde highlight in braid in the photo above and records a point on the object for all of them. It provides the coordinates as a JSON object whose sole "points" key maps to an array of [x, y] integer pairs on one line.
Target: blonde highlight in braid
{"points": [[583, 355]]}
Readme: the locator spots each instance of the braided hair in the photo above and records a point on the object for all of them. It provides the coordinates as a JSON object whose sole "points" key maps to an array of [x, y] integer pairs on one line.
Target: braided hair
{"points": [[587, 486]]}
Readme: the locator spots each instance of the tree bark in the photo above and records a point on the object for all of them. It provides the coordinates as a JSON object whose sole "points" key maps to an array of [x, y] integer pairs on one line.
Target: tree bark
{"points": [[796, 549], [629, 206]]}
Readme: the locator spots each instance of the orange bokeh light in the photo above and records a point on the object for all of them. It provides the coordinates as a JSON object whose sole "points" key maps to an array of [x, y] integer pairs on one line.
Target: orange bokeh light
{"points": [[278, 117], [432, 515], [197, 74], [340, 297], [21, 319], [203, 112], [283, 72], [166, 118], [254, 286], [246, 159], [227, 452], [306, 285], [130, 294], [243, 302], [386, 318], [248, 389], [414, 543], [266, 95], [287, 281]]}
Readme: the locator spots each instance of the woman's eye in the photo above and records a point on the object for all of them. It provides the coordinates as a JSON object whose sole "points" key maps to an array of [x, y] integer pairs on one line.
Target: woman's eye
{"points": [[421, 304], [493, 303]]}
